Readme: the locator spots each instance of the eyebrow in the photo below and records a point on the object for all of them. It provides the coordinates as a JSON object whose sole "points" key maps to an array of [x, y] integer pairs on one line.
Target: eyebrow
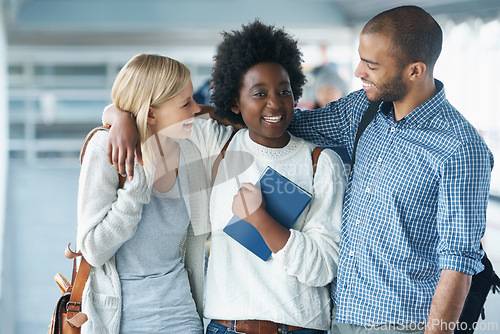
{"points": [[369, 61], [261, 84]]}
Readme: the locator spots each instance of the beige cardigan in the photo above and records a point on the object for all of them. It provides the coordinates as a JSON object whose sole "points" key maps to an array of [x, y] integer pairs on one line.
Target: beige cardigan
{"points": [[108, 217]]}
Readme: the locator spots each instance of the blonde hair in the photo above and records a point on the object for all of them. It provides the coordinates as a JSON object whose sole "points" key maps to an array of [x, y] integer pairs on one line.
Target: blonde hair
{"points": [[148, 80]]}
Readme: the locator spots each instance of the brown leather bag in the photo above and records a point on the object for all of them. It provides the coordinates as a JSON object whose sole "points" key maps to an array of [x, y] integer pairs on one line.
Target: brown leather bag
{"points": [[68, 317]]}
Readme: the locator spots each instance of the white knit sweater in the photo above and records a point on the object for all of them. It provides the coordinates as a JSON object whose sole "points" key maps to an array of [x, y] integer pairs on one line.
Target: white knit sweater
{"points": [[293, 286], [108, 217]]}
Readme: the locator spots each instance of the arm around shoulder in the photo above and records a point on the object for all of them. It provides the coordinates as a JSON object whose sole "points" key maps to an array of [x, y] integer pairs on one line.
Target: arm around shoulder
{"points": [[333, 125]]}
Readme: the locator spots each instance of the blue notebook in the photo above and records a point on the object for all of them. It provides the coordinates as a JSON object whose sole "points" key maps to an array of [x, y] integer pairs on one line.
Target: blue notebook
{"points": [[284, 200]]}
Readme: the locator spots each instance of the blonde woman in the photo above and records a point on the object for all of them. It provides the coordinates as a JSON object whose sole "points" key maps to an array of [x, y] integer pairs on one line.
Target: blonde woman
{"points": [[145, 241]]}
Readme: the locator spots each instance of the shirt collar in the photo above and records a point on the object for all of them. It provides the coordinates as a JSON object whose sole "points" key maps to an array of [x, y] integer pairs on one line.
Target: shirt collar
{"points": [[422, 113]]}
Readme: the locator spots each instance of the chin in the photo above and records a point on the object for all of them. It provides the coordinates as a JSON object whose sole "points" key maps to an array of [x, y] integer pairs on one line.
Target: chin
{"points": [[373, 97]]}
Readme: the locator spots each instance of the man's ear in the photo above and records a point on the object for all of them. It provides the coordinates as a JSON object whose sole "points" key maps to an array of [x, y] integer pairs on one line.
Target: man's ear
{"points": [[417, 70], [152, 116]]}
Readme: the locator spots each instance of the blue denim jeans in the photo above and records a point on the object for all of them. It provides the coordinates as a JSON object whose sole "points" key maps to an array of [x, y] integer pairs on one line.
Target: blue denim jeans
{"points": [[215, 327]]}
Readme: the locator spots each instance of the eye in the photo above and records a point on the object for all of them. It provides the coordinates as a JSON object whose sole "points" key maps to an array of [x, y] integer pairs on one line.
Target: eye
{"points": [[186, 104], [286, 92], [258, 94], [370, 67]]}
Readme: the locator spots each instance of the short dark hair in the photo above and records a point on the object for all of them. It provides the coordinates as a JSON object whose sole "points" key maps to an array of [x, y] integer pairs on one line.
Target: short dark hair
{"points": [[415, 35], [239, 51]]}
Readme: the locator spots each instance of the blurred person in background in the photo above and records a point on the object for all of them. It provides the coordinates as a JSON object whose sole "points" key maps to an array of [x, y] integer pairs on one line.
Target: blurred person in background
{"points": [[204, 93], [328, 87]]}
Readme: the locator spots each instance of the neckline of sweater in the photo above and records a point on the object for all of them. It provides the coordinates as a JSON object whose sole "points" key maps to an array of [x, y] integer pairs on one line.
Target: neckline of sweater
{"points": [[269, 153]]}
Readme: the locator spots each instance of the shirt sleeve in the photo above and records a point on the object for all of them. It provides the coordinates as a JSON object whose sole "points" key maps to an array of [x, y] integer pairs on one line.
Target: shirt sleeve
{"points": [[462, 202], [333, 125], [311, 253], [107, 216]]}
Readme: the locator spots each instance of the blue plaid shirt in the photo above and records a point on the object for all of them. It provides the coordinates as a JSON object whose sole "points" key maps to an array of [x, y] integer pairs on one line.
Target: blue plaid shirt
{"points": [[415, 204]]}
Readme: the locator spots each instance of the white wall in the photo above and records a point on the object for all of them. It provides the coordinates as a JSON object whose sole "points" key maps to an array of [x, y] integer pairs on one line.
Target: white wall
{"points": [[4, 128]]}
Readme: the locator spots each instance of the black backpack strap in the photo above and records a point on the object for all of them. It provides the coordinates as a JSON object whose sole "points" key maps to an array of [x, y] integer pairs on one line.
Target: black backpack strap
{"points": [[368, 116]]}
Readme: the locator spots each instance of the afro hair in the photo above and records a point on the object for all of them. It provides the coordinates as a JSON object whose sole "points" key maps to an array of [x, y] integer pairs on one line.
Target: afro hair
{"points": [[239, 51]]}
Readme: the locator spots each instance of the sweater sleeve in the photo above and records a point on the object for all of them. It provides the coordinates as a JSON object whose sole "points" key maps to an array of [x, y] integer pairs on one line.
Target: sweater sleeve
{"points": [[209, 136], [311, 253], [107, 216]]}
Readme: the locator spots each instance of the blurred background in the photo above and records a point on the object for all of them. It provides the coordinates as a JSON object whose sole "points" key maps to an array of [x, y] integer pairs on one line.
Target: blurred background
{"points": [[59, 58]]}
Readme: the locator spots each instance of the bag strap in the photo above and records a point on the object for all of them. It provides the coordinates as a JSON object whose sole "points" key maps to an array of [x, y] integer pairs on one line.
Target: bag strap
{"points": [[368, 116], [221, 155], [74, 316], [106, 127], [89, 136], [315, 155]]}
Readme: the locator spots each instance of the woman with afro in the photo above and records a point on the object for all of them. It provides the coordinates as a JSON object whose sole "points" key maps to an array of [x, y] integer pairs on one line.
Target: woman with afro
{"points": [[257, 81]]}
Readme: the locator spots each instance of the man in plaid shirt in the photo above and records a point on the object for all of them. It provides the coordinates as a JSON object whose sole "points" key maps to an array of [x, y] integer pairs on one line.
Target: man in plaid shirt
{"points": [[415, 207]]}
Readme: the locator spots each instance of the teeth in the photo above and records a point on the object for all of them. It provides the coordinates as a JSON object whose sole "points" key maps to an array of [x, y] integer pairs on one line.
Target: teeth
{"points": [[368, 85], [189, 122], [273, 119]]}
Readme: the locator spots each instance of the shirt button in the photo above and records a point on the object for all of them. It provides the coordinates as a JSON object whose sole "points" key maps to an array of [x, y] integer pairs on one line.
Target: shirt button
{"points": [[393, 129], [367, 190], [358, 221], [351, 253], [379, 159]]}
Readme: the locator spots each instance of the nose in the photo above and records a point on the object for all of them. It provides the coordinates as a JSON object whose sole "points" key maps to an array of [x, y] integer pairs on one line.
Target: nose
{"points": [[196, 107], [273, 101], [358, 73]]}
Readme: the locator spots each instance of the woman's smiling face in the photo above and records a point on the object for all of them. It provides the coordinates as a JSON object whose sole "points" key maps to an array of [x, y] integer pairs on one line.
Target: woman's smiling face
{"points": [[266, 104], [174, 118]]}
